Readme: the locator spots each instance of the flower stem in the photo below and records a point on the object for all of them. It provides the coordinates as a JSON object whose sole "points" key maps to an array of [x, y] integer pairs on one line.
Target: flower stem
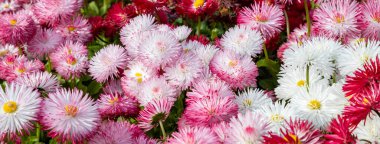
{"points": [[265, 52], [287, 24], [308, 22], [163, 130], [198, 32], [307, 77], [38, 131], [48, 69]]}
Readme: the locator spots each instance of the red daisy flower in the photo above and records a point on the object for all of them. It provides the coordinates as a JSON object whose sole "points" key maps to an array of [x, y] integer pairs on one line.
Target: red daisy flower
{"points": [[194, 8], [341, 132]]}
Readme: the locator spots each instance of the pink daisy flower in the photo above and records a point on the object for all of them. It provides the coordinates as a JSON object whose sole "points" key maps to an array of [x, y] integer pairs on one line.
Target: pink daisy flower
{"points": [[115, 105], [338, 18], [69, 115], [70, 59], [44, 42], [237, 70], [135, 76], [154, 112], [113, 132], [340, 131], [209, 89], [142, 139], [264, 17], [248, 128], [8, 50], [16, 28], [209, 111], [107, 62], [371, 19], [113, 86], [53, 11], [221, 130], [76, 29], [200, 135], [156, 88], [39, 81], [15, 66]]}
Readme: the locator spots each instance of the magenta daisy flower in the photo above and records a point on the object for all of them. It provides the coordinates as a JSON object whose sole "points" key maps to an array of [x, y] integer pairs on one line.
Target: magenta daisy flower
{"points": [[44, 42], [115, 105], [200, 135], [154, 112], [338, 18], [264, 17], [156, 88], [107, 62], [371, 19], [113, 132], [76, 29], [39, 81], [69, 115], [16, 28], [237, 70], [52, 11], [209, 89]]}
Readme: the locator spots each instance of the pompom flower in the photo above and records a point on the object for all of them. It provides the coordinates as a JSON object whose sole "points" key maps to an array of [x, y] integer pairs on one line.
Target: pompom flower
{"points": [[15, 66], [194, 8], [263, 17], [107, 62], [209, 89], [39, 81], [19, 107], [135, 76], [53, 11], [242, 40], [156, 88], [115, 105], [201, 135], [44, 42], [69, 115], [252, 100], [77, 29], [154, 112], [205, 53], [115, 132], [16, 28], [237, 70]]}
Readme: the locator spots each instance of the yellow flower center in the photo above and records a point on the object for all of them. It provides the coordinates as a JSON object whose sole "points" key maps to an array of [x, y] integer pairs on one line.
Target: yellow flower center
{"points": [[294, 137], [10, 107], [301, 83], [114, 100], [364, 57], [13, 22], [3, 52], [261, 18], [314, 104], [71, 60], [359, 40], [365, 101], [139, 77], [277, 118], [198, 3], [247, 102], [71, 110], [20, 70], [6, 6], [232, 63], [339, 18], [71, 28]]}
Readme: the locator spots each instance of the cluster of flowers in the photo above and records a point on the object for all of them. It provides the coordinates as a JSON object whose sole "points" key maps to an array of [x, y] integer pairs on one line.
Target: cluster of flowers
{"points": [[329, 90]]}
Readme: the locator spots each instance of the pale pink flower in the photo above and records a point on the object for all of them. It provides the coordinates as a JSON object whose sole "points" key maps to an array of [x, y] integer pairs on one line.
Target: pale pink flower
{"points": [[115, 105], [77, 29], [44, 42], [194, 135]]}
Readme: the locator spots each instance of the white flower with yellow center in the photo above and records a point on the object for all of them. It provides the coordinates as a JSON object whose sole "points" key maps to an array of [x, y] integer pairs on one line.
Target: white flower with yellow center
{"points": [[251, 100], [369, 130], [277, 114]]}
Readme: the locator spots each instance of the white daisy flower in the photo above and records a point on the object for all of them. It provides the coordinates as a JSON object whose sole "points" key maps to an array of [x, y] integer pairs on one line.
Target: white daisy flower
{"points": [[19, 107], [39, 80], [251, 100], [277, 114], [369, 130], [8, 6], [205, 53], [318, 52], [355, 55], [155, 88], [182, 32], [8, 49], [191, 45], [293, 80], [242, 40]]}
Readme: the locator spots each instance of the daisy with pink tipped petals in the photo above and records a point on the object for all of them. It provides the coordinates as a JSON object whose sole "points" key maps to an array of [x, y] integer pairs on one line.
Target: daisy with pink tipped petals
{"points": [[371, 18], [115, 105], [107, 62], [16, 28], [52, 11], [113, 133], [156, 88], [135, 76], [69, 115], [76, 29], [237, 70], [15, 66], [264, 17], [154, 112], [39, 81], [44, 42], [194, 135], [209, 89]]}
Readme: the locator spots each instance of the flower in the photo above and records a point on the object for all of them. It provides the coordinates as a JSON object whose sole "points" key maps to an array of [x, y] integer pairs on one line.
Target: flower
{"points": [[19, 107], [205, 53], [113, 132], [39, 81], [155, 88], [107, 62], [77, 29], [263, 17], [221, 130], [44, 42], [201, 135], [53, 11], [115, 105], [338, 18], [340, 131], [251, 100], [242, 40], [69, 115], [237, 70], [194, 8], [15, 66], [8, 50], [248, 128], [184, 71], [371, 19], [8, 6], [369, 130], [112, 87], [182, 32], [209, 111], [154, 112], [277, 114], [16, 28], [119, 15], [213, 88], [134, 77]]}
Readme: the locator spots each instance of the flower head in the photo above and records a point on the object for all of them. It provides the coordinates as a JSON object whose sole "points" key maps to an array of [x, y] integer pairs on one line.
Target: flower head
{"points": [[340, 131], [113, 132], [154, 112], [77, 29], [44, 42], [369, 130], [213, 88], [39, 81], [16, 28], [201, 135], [193, 8], [115, 105], [53, 11], [155, 88], [134, 77], [251, 100]]}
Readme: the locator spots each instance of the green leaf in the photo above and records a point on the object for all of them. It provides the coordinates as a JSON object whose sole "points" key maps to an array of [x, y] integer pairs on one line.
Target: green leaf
{"points": [[272, 66], [94, 88], [93, 8], [268, 84]]}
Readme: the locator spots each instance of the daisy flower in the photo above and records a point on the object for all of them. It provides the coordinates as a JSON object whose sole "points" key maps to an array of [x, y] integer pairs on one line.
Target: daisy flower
{"points": [[119, 15], [318, 53], [221, 130], [142, 139], [197, 8], [184, 71], [8, 50], [369, 130], [15, 66], [209, 89], [16, 28], [242, 40], [44, 42], [159, 49], [107, 62], [201, 135], [205, 53], [340, 131], [52, 11], [19, 107], [135, 76], [76, 29], [277, 114], [191, 45], [371, 18], [338, 18], [154, 112], [209, 111], [115, 105], [182, 32], [156, 88], [263, 17], [248, 128], [8, 6], [319, 105], [113, 86], [251, 100], [69, 115], [130, 34], [113, 132], [292, 80], [237, 70], [355, 55], [39, 81]]}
